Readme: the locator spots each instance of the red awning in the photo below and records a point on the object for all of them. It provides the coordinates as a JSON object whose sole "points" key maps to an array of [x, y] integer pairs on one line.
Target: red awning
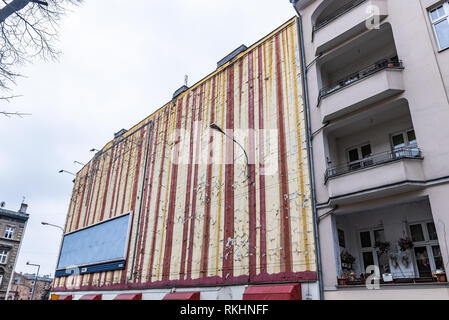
{"points": [[91, 297], [65, 297], [182, 296], [129, 296], [273, 292]]}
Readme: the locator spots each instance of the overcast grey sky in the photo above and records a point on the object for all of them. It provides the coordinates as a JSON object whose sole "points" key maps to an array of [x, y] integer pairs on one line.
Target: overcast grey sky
{"points": [[121, 61]]}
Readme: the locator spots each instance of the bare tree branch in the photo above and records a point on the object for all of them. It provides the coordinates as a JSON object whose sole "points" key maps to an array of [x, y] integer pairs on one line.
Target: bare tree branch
{"points": [[28, 29]]}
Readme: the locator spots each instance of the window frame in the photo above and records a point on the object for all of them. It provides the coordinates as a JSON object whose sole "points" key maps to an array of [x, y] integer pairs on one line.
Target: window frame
{"points": [[427, 243], [371, 249], [4, 253], [445, 6], [9, 232]]}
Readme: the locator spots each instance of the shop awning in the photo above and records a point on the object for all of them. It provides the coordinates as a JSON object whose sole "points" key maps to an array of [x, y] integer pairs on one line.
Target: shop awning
{"points": [[91, 297], [273, 292], [195, 295], [65, 297], [129, 296]]}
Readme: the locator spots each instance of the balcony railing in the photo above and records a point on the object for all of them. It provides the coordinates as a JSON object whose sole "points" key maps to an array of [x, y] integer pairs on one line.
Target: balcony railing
{"points": [[411, 152], [334, 15], [360, 75]]}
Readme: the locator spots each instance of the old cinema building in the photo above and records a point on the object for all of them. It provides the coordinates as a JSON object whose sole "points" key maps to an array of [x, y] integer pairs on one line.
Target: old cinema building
{"points": [[149, 218]]}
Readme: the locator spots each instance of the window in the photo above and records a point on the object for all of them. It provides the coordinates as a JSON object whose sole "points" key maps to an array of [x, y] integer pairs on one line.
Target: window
{"points": [[370, 254], [3, 256], [341, 239], [355, 155], [402, 140], [426, 248], [1, 279], [9, 232], [440, 21]]}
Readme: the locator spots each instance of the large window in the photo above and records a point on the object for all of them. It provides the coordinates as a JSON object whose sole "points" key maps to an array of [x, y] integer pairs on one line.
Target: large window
{"points": [[426, 248], [440, 20], [9, 232], [371, 256], [3, 256]]}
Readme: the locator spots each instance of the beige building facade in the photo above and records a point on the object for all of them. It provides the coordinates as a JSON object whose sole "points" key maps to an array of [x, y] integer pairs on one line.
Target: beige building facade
{"points": [[378, 85], [12, 228]]}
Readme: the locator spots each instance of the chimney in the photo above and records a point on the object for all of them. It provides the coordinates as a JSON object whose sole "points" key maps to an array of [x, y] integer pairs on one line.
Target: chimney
{"points": [[23, 208]]}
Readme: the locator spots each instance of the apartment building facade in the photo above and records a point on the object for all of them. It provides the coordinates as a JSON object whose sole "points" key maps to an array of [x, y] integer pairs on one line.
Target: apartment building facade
{"points": [[12, 228], [207, 198], [377, 86], [29, 287]]}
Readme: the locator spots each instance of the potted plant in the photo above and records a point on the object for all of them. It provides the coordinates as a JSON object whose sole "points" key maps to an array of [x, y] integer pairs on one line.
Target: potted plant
{"points": [[383, 247], [405, 244], [346, 260], [440, 275]]}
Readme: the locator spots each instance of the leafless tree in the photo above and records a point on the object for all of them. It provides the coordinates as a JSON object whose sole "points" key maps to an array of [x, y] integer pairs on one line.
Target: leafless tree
{"points": [[28, 29]]}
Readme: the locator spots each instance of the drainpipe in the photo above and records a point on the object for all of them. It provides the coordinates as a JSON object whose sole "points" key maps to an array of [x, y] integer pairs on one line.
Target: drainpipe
{"points": [[310, 147]]}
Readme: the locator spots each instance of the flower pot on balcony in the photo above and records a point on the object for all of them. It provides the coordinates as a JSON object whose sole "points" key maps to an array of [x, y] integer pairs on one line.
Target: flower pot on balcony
{"points": [[342, 281], [441, 277]]}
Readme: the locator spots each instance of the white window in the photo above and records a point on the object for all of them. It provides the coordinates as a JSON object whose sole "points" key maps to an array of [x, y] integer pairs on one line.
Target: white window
{"points": [[358, 157], [9, 232], [426, 248], [440, 21], [404, 143], [3, 256], [370, 241]]}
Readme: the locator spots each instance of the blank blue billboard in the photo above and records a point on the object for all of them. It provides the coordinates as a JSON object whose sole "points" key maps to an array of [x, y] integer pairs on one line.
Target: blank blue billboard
{"points": [[99, 244]]}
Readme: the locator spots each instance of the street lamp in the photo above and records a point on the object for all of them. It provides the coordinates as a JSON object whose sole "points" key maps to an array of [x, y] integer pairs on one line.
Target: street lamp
{"points": [[61, 171], [215, 127], [52, 225], [80, 163], [35, 278]]}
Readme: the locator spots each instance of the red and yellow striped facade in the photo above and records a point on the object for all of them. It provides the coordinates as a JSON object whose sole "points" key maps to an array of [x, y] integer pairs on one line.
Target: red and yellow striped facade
{"points": [[206, 223]]}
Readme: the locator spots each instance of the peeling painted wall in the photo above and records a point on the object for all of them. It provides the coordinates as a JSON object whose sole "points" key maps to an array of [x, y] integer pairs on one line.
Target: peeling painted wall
{"points": [[199, 220]]}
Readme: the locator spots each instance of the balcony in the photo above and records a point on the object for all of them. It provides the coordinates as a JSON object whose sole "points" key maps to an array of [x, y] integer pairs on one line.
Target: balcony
{"points": [[337, 25], [381, 174], [375, 83]]}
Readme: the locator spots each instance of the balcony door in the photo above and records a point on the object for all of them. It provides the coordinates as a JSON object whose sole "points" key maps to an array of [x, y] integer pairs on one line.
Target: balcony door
{"points": [[426, 248], [404, 143], [356, 156], [369, 253]]}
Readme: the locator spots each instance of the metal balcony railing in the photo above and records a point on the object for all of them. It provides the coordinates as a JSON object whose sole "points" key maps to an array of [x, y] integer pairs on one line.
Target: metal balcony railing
{"points": [[412, 152], [334, 15], [360, 75]]}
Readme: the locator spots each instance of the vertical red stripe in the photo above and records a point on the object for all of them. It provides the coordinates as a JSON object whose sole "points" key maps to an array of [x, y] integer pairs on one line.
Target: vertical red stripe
{"points": [[262, 210], [86, 222], [228, 246], [252, 170], [283, 171], [182, 270], [206, 239], [158, 198], [195, 184], [81, 203], [172, 201]]}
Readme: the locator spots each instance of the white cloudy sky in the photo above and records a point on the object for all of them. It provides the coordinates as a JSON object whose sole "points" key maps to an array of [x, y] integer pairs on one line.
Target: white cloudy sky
{"points": [[121, 61]]}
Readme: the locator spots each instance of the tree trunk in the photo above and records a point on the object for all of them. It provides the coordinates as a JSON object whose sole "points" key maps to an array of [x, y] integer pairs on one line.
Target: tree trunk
{"points": [[10, 8]]}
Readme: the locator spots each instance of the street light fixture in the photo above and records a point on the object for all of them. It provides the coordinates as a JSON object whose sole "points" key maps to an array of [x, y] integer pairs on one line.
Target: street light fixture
{"points": [[215, 127], [61, 171], [35, 278], [80, 163], [52, 225]]}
